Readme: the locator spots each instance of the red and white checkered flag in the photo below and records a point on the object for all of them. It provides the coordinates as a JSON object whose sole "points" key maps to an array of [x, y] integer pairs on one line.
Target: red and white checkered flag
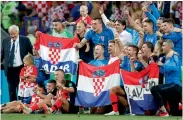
{"points": [[98, 85], [54, 55]]}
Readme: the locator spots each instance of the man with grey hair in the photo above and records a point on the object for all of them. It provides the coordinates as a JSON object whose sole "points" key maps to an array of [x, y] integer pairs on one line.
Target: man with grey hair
{"points": [[171, 90], [13, 50]]}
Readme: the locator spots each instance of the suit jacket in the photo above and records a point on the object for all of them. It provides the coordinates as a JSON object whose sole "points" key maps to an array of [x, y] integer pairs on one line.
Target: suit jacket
{"points": [[25, 48]]}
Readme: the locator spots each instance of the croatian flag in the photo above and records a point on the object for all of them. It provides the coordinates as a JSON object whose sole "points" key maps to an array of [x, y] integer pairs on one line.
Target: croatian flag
{"points": [[137, 86], [94, 84], [57, 53]]}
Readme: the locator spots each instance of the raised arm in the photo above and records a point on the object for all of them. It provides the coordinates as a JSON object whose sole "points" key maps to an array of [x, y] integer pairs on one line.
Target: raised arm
{"points": [[141, 41], [106, 21], [81, 44], [132, 23], [155, 11], [150, 17]]}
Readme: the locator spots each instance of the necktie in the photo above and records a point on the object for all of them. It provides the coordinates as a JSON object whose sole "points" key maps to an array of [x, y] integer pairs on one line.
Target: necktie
{"points": [[12, 55]]}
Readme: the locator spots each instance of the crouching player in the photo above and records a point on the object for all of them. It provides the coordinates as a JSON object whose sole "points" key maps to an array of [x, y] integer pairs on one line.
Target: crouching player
{"points": [[62, 94], [51, 92], [65, 104]]}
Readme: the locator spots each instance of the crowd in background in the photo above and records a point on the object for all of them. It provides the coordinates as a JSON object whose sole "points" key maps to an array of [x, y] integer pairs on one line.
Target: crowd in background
{"points": [[137, 33]]}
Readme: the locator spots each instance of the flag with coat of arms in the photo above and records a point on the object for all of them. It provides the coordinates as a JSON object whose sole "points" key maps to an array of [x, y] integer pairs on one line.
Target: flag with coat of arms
{"points": [[137, 86], [57, 53], [95, 82]]}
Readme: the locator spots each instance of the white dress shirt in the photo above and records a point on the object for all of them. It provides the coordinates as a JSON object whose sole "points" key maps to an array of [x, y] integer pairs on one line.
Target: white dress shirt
{"points": [[17, 59], [125, 37]]}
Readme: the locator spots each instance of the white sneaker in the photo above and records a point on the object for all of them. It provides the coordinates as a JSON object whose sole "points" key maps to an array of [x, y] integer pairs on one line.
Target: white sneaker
{"points": [[112, 113]]}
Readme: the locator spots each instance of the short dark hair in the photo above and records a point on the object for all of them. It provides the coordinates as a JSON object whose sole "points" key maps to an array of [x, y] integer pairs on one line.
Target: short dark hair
{"points": [[135, 48], [149, 45], [122, 22], [148, 21], [161, 18], [99, 19], [155, 58], [52, 81], [42, 86], [169, 20]]}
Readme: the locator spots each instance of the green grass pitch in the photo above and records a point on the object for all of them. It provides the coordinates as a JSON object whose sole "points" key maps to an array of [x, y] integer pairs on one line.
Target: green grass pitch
{"points": [[81, 117]]}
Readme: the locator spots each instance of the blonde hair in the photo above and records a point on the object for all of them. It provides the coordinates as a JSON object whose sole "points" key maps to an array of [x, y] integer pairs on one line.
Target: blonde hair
{"points": [[29, 58], [83, 7]]}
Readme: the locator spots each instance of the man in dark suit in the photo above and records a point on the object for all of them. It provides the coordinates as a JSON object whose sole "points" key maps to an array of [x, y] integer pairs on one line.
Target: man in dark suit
{"points": [[13, 51]]}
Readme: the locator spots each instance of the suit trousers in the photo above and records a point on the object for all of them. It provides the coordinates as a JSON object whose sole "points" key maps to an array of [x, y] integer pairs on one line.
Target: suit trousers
{"points": [[13, 78], [170, 92]]}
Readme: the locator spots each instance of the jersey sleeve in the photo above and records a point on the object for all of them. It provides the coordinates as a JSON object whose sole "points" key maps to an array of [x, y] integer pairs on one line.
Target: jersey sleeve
{"points": [[88, 35], [22, 71]]}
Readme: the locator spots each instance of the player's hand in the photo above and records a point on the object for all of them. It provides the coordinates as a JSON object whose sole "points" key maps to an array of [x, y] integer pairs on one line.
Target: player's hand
{"points": [[145, 9], [159, 4], [140, 57], [101, 10], [26, 75], [141, 34], [126, 12], [132, 59], [59, 85], [159, 34], [116, 37]]}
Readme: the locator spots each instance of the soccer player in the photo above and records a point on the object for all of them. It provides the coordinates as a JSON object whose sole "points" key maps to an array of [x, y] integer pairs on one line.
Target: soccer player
{"points": [[16, 106]]}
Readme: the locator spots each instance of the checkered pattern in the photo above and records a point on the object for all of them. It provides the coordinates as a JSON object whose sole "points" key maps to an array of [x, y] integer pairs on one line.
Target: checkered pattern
{"points": [[54, 55], [30, 70], [118, 13], [28, 4], [21, 88], [98, 85], [25, 87], [41, 7], [59, 11]]}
